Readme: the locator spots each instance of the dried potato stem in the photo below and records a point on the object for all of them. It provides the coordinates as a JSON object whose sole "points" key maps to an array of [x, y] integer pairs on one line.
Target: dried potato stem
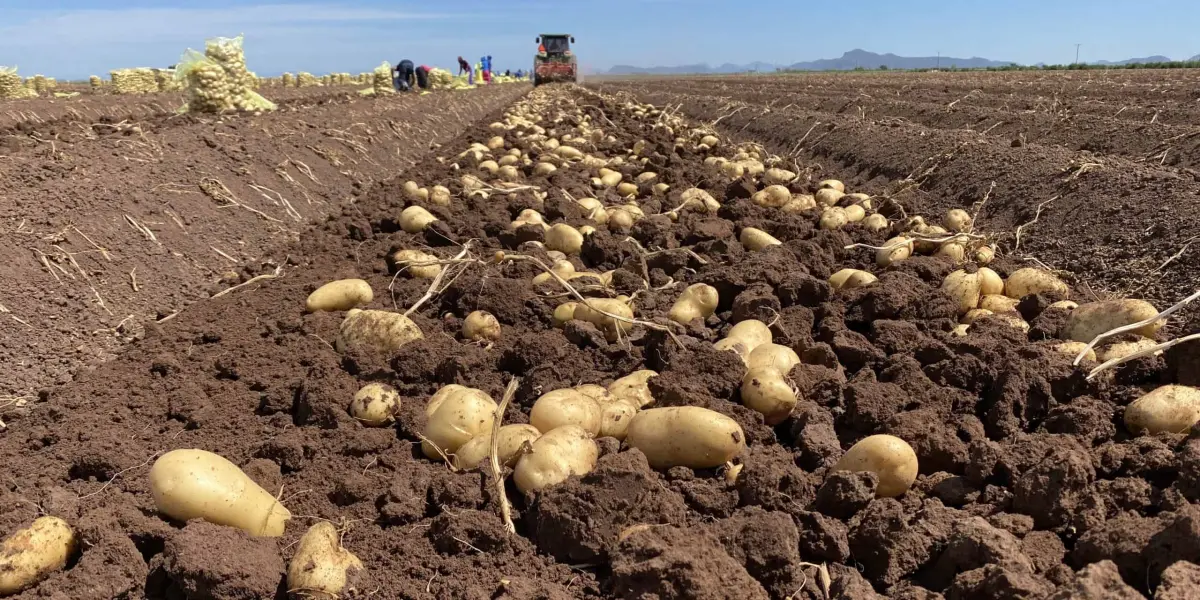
{"points": [[1140, 353], [1036, 215], [255, 279], [433, 287], [1133, 326], [497, 474]]}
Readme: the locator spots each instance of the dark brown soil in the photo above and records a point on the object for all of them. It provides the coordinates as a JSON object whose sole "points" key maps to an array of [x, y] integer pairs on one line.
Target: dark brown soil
{"points": [[1029, 487]]}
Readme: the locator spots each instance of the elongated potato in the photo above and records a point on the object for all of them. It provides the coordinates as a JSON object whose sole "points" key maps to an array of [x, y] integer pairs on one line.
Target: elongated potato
{"points": [[775, 356], [1095, 318], [1123, 349], [563, 268], [567, 406], [998, 303], [757, 239], [964, 288], [564, 312], [744, 337], [775, 176], [415, 219], [685, 436], [321, 567], [378, 331], [613, 328], [512, 438], [832, 184], [889, 457], [772, 196], [417, 264], [196, 484], [849, 279], [799, 203], [375, 404], [1030, 280], [342, 294], [31, 554], [698, 301], [633, 387], [767, 390], [554, 457], [1170, 409], [454, 415]]}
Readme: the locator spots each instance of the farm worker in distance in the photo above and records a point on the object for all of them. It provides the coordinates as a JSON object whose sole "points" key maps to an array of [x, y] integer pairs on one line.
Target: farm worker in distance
{"points": [[490, 70], [463, 66], [485, 69], [404, 75], [478, 72], [423, 77]]}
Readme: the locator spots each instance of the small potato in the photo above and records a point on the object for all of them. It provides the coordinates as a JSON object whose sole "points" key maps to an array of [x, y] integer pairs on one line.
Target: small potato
{"points": [[195, 484], [744, 337], [321, 567], [555, 457], [378, 331], [1170, 409], [375, 404], [568, 152], [925, 246], [564, 238], [766, 390], [733, 170], [953, 251], [593, 311], [633, 388], [508, 160], [859, 199], [875, 222], [413, 191], [615, 416], [495, 143], [415, 219], [31, 554], [975, 314], [960, 330], [1072, 350], [686, 436], [490, 166], [773, 196], [508, 173], [774, 356], [566, 407], [626, 189], [417, 263], [695, 199], [984, 255], [508, 451], [698, 301], [710, 140], [897, 249], [957, 220], [849, 279], [529, 216], [564, 312], [775, 176], [646, 177], [799, 203], [593, 209], [964, 289], [828, 196], [1030, 280], [609, 178], [1095, 318], [342, 294], [833, 184], [440, 195], [454, 415], [990, 283], [1123, 349], [855, 213], [660, 189], [888, 457], [833, 218], [756, 239], [998, 303], [481, 326]]}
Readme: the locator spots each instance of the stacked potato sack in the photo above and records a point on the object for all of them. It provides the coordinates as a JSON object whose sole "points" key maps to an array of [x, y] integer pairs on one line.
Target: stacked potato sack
{"points": [[381, 79], [51, 83], [287, 80], [228, 53], [305, 79], [95, 82], [441, 79], [208, 86], [218, 81], [10, 84], [39, 84]]}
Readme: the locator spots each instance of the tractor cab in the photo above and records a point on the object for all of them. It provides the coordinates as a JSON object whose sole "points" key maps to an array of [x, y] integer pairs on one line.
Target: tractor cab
{"points": [[554, 60]]}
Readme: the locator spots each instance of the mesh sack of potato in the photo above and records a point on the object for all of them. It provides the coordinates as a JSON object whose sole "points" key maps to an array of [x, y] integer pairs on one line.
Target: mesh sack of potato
{"points": [[95, 82], [229, 54], [440, 79], [10, 82], [288, 80], [208, 87], [305, 79], [39, 84], [381, 79]]}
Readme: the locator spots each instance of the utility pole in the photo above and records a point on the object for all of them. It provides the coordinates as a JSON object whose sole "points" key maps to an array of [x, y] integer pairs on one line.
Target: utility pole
{"points": [[1076, 53]]}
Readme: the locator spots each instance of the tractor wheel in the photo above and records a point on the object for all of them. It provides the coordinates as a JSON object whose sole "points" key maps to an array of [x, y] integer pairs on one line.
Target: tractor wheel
{"points": [[537, 80]]}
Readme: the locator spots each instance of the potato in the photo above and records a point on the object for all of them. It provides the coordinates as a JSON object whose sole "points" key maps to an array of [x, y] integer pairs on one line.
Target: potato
{"points": [[613, 329], [854, 213], [998, 303], [633, 388], [594, 209], [858, 199], [321, 567], [568, 152], [960, 330], [773, 196], [375, 404], [1030, 280], [195, 484], [990, 283], [685, 436], [774, 176], [1123, 349], [1170, 409], [957, 220], [481, 326], [710, 140], [544, 169], [953, 251], [454, 415], [440, 195], [508, 173], [609, 177], [775, 356], [744, 337], [623, 217], [661, 189], [556, 456], [888, 457], [698, 301], [415, 219], [1066, 305], [31, 554], [984, 255], [646, 177], [757, 239], [898, 248], [875, 222], [833, 218], [695, 199], [508, 160], [828, 196], [799, 203], [833, 184], [377, 331], [508, 451], [529, 217], [342, 294], [567, 406], [964, 289], [564, 312], [766, 390], [563, 268], [564, 238], [974, 314], [849, 279], [415, 192], [1095, 318], [405, 259], [1072, 349], [615, 415], [490, 166]]}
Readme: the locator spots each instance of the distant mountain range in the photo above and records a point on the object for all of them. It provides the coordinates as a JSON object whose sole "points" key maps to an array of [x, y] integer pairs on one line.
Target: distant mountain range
{"points": [[850, 60]]}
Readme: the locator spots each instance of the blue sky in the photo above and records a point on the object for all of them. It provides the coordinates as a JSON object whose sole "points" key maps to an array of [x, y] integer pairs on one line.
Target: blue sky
{"points": [[74, 38]]}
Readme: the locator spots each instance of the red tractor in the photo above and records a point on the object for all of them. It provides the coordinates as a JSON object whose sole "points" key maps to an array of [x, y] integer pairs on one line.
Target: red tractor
{"points": [[554, 61]]}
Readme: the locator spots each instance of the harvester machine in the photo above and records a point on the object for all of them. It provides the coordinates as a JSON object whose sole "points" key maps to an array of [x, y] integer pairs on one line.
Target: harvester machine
{"points": [[554, 61]]}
